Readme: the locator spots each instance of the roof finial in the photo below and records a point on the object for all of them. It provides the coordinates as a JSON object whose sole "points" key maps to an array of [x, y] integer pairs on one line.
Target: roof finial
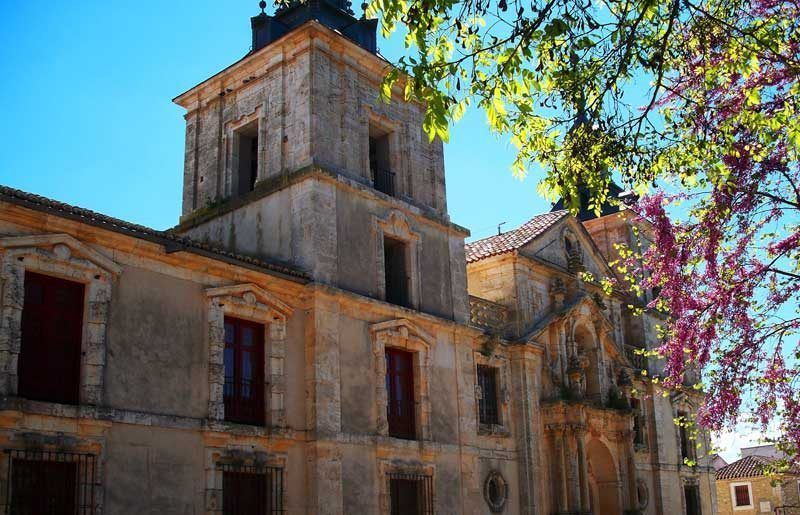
{"points": [[263, 5]]}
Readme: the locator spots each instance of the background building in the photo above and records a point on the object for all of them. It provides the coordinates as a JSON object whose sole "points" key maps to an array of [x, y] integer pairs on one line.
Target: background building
{"points": [[749, 486], [314, 336]]}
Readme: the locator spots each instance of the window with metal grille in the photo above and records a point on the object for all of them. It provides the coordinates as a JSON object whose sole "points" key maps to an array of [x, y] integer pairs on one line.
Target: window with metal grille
{"points": [[742, 494], [380, 161], [52, 327], [487, 404], [243, 394], [400, 392], [410, 494], [50, 483], [252, 490]]}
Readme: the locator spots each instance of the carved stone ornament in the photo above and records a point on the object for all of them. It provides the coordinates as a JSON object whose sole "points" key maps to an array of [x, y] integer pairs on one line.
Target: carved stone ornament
{"points": [[495, 491]]}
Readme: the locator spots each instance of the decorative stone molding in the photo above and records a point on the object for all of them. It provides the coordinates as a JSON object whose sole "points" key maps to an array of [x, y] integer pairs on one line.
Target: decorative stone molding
{"points": [[244, 456], [402, 334], [495, 491], [249, 302], [58, 255], [501, 363], [386, 468], [396, 226]]}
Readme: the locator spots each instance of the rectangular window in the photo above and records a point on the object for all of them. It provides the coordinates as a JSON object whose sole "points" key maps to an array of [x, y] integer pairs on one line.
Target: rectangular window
{"points": [[244, 371], [400, 392], [411, 494], [687, 449], [638, 422], [487, 406], [247, 150], [395, 269], [252, 490], [380, 162], [52, 483], [741, 495], [692, 495], [52, 327]]}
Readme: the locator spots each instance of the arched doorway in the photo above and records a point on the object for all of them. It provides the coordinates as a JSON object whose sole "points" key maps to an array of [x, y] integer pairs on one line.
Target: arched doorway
{"points": [[603, 479]]}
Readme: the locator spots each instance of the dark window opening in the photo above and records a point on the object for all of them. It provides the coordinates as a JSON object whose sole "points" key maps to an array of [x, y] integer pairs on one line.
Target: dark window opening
{"points": [[687, 449], [487, 406], [395, 270], [742, 495], [411, 494], [52, 328], [252, 490], [638, 422], [380, 162], [247, 173], [244, 372], [692, 495], [400, 392], [50, 483]]}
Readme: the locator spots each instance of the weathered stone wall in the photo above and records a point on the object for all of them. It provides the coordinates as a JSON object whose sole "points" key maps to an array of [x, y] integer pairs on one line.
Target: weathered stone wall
{"points": [[783, 494]]}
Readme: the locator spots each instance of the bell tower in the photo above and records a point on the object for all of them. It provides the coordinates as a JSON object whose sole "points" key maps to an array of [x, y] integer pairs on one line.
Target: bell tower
{"points": [[292, 156]]}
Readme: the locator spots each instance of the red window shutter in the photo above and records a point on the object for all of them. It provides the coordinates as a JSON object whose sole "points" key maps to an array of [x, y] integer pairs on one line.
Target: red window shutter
{"points": [[244, 371], [742, 495], [52, 328], [400, 392]]}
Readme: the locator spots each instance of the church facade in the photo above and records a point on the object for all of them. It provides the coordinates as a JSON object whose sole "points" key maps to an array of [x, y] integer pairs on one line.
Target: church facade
{"points": [[314, 336]]}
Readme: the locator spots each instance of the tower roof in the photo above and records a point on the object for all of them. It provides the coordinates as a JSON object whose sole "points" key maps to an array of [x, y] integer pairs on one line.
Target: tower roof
{"points": [[609, 207], [334, 14]]}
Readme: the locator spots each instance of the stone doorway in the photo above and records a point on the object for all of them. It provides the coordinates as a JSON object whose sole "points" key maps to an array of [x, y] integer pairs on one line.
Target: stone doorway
{"points": [[604, 483]]}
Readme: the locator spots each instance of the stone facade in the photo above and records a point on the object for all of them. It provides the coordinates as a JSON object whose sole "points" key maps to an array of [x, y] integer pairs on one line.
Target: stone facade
{"points": [[303, 254], [779, 495]]}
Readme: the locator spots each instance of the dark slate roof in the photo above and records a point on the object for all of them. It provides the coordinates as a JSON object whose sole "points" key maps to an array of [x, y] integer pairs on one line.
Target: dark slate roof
{"points": [[749, 466], [171, 241], [513, 239], [608, 207]]}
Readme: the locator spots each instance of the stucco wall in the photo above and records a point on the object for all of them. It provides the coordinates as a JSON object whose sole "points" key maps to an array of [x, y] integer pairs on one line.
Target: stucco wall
{"points": [[157, 358]]}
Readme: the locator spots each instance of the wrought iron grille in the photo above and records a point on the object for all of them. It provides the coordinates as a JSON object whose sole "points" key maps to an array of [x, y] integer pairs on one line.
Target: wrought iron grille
{"points": [[384, 181], [252, 490], [50, 483], [244, 401], [411, 494], [488, 412]]}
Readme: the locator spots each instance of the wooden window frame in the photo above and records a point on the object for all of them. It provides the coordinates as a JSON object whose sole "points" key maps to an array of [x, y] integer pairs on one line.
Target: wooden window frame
{"points": [[33, 382], [734, 501], [248, 302], [61, 256], [236, 407], [404, 335], [403, 427]]}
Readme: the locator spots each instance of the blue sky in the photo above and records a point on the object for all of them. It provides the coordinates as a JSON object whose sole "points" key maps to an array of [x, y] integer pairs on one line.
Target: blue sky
{"points": [[88, 117]]}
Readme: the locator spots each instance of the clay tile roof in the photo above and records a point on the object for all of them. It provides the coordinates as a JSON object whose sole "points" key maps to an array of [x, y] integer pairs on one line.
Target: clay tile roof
{"points": [[173, 242], [513, 239], [749, 466]]}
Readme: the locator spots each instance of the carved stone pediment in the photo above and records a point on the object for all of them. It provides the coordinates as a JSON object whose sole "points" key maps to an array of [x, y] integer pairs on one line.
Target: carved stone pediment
{"points": [[59, 247]]}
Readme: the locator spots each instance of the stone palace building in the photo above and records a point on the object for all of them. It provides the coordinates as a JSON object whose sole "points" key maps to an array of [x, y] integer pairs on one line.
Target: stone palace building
{"points": [[314, 337]]}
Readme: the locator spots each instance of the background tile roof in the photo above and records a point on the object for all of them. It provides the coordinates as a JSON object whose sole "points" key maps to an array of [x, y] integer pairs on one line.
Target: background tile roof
{"points": [[749, 466], [172, 241], [513, 239]]}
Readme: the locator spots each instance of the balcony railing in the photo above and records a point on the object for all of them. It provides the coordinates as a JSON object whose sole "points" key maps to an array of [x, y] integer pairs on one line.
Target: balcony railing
{"points": [[384, 181], [638, 360], [244, 401], [487, 314]]}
